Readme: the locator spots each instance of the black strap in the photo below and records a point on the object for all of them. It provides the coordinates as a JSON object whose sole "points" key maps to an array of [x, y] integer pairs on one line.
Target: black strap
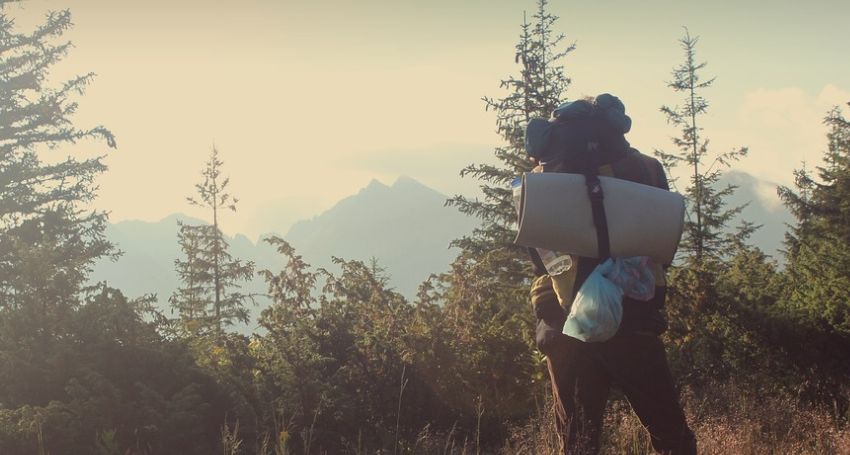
{"points": [[539, 267], [594, 192]]}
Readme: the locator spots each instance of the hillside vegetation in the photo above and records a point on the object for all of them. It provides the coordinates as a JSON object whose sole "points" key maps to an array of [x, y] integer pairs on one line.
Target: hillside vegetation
{"points": [[342, 363]]}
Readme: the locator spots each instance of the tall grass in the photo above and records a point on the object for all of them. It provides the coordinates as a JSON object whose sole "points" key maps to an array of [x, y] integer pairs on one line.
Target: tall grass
{"points": [[727, 420]]}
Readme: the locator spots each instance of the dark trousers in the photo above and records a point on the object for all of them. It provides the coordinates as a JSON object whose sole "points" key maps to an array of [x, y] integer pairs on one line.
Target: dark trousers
{"points": [[582, 374]]}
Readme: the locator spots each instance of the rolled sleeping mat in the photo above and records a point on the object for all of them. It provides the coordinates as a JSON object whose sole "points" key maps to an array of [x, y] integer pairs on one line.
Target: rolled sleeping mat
{"points": [[556, 214]]}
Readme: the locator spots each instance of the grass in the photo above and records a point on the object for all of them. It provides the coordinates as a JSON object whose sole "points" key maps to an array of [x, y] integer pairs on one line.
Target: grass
{"points": [[726, 420], [730, 421]]}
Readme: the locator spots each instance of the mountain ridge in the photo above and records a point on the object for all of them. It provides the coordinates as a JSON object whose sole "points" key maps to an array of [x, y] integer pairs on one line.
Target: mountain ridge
{"points": [[405, 226], [358, 227]]}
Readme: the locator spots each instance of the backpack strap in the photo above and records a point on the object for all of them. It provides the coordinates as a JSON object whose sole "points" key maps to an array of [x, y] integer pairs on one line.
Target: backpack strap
{"points": [[539, 268], [597, 207]]}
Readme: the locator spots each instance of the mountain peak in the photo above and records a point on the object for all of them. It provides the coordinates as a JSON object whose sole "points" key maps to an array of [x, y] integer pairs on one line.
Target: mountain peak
{"points": [[404, 180], [405, 184], [373, 185]]}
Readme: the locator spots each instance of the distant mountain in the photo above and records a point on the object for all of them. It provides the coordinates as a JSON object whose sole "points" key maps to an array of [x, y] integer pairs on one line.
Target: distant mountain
{"points": [[149, 249], [405, 226], [764, 208]]}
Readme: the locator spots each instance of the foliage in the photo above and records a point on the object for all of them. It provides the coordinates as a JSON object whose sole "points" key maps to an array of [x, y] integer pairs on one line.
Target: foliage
{"points": [[77, 362], [819, 245], [336, 367], [342, 362], [720, 287], [209, 297], [485, 294], [49, 242], [815, 309], [706, 237]]}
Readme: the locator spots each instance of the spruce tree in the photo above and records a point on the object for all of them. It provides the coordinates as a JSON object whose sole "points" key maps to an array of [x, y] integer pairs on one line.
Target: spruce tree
{"points": [[48, 240], [706, 237], [707, 240], [192, 301], [81, 365], [716, 326], [485, 293], [818, 247], [210, 297]]}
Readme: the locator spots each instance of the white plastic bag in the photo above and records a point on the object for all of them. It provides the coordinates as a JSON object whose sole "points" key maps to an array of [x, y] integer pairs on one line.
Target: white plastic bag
{"points": [[597, 310], [634, 276]]}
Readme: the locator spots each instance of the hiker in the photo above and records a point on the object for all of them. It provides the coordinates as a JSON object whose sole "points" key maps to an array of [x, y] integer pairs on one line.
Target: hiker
{"points": [[582, 135]]}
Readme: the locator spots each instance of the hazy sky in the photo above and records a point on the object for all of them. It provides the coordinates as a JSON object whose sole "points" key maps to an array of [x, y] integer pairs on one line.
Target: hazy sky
{"points": [[308, 101]]}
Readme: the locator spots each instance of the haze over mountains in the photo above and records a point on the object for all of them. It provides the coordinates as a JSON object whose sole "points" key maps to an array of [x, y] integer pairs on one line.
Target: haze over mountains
{"points": [[764, 208], [405, 226]]}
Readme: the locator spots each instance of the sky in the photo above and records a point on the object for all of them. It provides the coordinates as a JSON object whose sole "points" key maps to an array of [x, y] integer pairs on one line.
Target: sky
{"points": [[308, 101]]}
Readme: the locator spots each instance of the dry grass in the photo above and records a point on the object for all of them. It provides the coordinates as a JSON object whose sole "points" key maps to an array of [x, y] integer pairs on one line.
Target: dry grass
{"points": [[744, 424], [731, 420]]}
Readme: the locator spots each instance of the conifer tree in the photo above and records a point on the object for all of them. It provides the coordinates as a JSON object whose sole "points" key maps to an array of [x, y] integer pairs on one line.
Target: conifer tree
{"points": [[706, 237], [210, 296], [79, 362], [707, 240], [485, 293], [48, 242], [192, 301], [535, 92], [819, 245], [713, 325]]}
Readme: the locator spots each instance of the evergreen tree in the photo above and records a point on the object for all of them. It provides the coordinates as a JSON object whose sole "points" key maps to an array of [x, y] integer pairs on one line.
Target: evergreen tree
{"points": [[192, 300], [81, 366], [210, 296], [485, 294], [706, 238], [813, 318], [722, 290], [47, 241], [536, 92], [819, 245]]}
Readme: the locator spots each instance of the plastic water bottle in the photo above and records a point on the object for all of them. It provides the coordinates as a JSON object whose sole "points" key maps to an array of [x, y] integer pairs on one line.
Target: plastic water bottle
{"points": [[556, 263], [516, 186]]}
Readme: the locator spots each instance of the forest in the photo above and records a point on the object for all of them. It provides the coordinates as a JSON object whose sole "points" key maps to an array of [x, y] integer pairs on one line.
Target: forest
{"points": [[342, 363]]}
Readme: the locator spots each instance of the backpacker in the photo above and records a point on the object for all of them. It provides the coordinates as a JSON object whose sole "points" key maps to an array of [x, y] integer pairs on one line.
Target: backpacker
{"points": [[587, 137]]}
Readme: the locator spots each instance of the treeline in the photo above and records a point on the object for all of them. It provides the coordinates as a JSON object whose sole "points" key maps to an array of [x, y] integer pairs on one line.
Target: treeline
{"points": [[342, 363]]}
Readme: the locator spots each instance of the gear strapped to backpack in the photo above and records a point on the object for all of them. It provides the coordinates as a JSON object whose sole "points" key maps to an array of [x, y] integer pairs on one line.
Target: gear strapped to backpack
{"points": [[580, 134], [587, 138]]}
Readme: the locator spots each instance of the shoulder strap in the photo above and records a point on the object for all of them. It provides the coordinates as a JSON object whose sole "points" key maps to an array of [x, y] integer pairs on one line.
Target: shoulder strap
{"points": [[594, 192], [537, 262]]}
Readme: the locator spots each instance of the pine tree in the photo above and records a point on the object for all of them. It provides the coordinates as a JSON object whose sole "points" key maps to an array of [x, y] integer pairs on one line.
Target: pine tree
{"points": [[210, 296], [722, 289], [819, 245], [485, 293], [535, 93], [48, 241], [78, 361], [706, 237], [192, 301]]}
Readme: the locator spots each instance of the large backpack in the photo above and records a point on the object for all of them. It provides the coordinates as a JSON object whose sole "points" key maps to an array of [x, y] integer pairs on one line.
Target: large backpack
{"points": [[582, 138]]}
